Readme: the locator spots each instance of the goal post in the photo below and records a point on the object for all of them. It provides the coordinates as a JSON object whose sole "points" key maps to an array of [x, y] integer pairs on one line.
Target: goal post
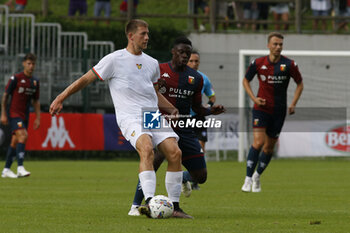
{"points": [[243, 100]]}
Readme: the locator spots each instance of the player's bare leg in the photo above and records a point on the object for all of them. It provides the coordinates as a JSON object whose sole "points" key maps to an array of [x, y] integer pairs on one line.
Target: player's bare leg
{"points": [[147, 174], [173, 179]]}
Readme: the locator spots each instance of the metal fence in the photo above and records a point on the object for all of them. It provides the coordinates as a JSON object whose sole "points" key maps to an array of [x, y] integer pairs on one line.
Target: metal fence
{"points": [[62, 56]]}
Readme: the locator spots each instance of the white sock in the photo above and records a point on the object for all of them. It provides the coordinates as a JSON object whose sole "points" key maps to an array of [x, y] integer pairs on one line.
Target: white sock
{"points": [[148, 183], [173, 181]]}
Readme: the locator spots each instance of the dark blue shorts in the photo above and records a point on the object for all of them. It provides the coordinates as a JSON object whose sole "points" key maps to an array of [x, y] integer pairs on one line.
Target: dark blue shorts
{"points": [[75, 7], [192, 153], [201, 132], [272, 122], [17, 123]]}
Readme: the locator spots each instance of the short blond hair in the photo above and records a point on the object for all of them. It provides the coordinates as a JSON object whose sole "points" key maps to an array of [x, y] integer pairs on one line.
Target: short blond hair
{"points": [[133, 24], [274, 34]]}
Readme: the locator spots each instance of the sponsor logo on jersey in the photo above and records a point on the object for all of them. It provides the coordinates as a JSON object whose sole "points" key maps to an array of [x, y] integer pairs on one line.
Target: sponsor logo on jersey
{"points": [[179, 92], [166, 75], [339, 138], [139, 66], [273, 79], [23, 81], [190, 79], [282, 67], [263, 67]]}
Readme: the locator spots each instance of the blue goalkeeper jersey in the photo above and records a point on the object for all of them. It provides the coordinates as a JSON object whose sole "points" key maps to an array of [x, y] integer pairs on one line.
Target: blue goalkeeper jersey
{"points": [[207, 88]]}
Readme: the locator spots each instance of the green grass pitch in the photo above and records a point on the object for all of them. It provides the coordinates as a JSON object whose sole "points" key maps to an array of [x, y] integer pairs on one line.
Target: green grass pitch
{"points": [[95, 196]]}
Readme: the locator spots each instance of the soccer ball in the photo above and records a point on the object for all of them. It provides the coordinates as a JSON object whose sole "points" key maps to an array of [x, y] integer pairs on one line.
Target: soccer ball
{"points": [[161, 207]]}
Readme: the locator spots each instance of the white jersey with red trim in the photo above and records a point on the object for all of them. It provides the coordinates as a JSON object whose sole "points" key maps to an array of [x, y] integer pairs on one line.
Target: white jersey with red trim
{"points": [[130, 79]]}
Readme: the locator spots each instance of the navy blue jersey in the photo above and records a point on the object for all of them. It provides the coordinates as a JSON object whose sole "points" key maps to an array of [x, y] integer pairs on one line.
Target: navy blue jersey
{"points": [[273, 81]]}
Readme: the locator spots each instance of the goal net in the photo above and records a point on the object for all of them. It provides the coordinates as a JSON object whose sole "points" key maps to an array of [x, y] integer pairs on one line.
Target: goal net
{"points": [[319, 127]]}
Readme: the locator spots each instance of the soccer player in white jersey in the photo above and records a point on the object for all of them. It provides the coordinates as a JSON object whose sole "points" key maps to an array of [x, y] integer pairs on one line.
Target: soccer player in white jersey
{"points": [[132, 78]]}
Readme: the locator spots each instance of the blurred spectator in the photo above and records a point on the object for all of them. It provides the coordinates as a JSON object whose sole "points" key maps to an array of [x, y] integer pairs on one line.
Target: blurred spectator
{"points": [[20, 5], [280, 12], [203, 5], [124, 7], [238, 10], [102, 5], [250, 12], [320, 8], [221, 12], [263, 9], [79, 6], [341, 8]]}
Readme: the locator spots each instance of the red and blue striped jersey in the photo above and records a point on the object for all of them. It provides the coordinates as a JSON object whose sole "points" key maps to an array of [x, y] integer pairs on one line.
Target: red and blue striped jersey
{"points": [[22, 90], [182, 89], [273, 81]]}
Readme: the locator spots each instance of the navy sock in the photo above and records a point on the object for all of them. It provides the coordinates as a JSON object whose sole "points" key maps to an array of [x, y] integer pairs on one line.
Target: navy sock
{"points": [[20, 153], [186, 177], [263, 162], [11, 153], [138, 195], [252, 160]]}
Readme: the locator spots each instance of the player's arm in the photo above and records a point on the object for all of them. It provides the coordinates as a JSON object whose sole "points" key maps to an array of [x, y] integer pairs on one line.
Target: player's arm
{"points": [[165, 105], [4, 119], [257, 100], [83, 81], [211, 100], [199, 109], [297, 94], [209, 92], [36, 105], [10, 87]]}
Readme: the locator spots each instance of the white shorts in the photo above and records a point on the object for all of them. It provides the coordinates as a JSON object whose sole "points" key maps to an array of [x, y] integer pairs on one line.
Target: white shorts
{"points": [[280, 8], [132, 129]]}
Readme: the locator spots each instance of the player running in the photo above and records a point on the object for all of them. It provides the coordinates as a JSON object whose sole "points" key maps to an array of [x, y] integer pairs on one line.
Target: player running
{"points": [[132, 78], [182, 86], [270, 106], [24, 90]]}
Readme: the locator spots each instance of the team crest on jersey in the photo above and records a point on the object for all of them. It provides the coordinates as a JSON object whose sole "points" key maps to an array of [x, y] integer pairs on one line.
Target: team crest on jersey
{"points": [[190, 79], [282, 67], [139, 66], [23, 81], [133, 133], [20, 124], [34, 83], [256, 122]]}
